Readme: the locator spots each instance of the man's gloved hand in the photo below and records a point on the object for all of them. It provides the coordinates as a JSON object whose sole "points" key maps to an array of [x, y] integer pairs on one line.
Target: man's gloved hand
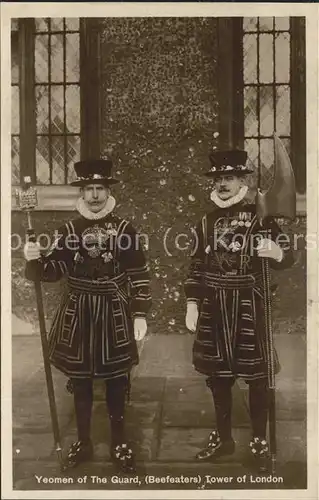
{"points": [[140, 328], [191, 316], [31, 251], [269, 249]]}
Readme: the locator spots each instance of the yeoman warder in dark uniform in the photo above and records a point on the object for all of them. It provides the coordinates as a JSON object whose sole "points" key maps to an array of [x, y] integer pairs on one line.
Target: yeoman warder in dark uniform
{"points": [[102, 314], [224, 292]]}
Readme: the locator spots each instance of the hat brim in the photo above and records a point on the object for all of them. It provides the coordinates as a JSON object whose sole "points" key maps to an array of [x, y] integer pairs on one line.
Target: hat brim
{"points": [[229, 172], [83, 182]]}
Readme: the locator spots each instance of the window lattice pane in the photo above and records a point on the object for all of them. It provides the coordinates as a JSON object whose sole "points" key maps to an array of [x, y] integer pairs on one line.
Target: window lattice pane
{"points": [[58, 101], [250, 23], [266, 74], [57, 109], [282, 23], [266, 162], [15, 111], [282, 47], [42, 108], [58, 160], [73, 155], [283, 110], [266, 23], [251, 146], [15, 160], [56, 23], [250, 58], [72, 57], [270, 92], [72, 23], [266, 111], [41, 24], [250, 111], [41, 58], [57, 58], [72, 101], [42, 160]]}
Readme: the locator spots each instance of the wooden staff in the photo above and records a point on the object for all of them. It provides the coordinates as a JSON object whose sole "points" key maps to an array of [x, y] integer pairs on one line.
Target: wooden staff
{"points": [[27, 200], [271, 365], [278, 201]]}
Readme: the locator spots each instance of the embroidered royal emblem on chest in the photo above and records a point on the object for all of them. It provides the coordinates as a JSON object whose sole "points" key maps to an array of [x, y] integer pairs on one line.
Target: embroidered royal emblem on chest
{"points": [[78, 258], [110, 229], [107, 256], [95, 240]]}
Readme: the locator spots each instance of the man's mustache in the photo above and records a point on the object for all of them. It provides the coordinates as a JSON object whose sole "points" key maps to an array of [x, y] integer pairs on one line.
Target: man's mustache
{"points": [[223, 190]]}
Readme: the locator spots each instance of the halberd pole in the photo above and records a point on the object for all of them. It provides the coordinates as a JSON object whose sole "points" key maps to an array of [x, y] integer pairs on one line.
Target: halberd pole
{"points": [[27, 200], [278, 201]]}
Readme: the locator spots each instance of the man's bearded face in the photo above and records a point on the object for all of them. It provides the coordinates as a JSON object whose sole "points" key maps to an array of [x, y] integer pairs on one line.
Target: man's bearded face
{"points": [[228, 186], [95, 196]]}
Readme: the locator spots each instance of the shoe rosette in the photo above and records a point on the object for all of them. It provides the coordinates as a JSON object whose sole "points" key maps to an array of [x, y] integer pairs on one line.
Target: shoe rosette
{"points": [[213, 439], [123, 452], [259, 447], [123, 456]]}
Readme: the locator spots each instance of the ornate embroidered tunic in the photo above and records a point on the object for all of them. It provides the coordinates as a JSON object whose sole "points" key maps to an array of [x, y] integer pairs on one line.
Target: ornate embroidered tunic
{"points": [[225, 280], [107, 286]]}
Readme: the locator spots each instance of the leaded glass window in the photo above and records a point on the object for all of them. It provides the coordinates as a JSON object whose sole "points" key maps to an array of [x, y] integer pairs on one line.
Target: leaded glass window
{"points": [[266, 43], [15, 112], [57, 91]]}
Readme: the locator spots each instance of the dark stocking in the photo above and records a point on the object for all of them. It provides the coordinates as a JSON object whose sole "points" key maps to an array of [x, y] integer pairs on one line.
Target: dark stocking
{"points": [[115, 400], [221, 389], [83, 399], [258, 406]]}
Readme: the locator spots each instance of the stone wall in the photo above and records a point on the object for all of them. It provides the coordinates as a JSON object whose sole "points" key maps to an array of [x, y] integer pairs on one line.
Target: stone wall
{"points": [[159, 118]]}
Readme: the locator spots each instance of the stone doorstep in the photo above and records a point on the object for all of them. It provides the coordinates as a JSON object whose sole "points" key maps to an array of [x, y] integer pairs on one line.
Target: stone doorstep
{"points": [[26, 446], [289, 404], [20, 327], [169, 444], [32, 411], [166, 444], [153, 422], [36, 418]]}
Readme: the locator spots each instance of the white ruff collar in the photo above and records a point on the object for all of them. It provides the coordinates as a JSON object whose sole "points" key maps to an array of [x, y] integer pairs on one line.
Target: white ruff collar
{"points": [[87, 214], [231, 201]]}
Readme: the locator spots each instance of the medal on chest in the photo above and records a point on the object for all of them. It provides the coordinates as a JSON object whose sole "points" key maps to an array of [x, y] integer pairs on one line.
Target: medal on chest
{"points": [[230, 231]]}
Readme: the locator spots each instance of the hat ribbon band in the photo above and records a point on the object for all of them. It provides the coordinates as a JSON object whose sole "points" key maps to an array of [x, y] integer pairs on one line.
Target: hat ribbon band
{"points": [[93, 177], [225, 168]]}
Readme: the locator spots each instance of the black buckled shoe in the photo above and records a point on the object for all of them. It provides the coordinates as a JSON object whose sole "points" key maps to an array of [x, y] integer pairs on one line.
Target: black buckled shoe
{"points": [[216, 447], [123, 457], [78, 453], [260, 452]]}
